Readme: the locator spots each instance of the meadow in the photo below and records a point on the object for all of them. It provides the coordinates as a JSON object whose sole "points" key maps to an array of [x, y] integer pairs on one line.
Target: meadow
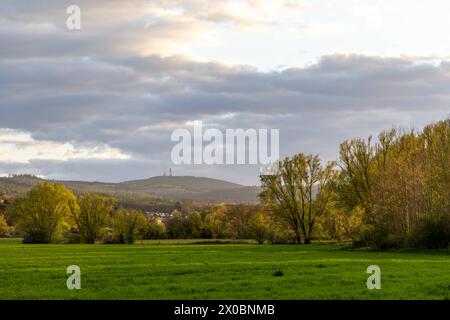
{"points": [[170, 270]]}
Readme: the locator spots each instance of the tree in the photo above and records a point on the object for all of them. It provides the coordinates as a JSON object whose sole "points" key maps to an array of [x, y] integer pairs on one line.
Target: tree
{"points": [[90, 214], [41, 212], [216, 222], [239, 220], [128, 225], [155, 229], [5, 230], [175, 226], [260, 228], [436, 148], [400, 182], [193, 225], [299, 192], [356, 163]]}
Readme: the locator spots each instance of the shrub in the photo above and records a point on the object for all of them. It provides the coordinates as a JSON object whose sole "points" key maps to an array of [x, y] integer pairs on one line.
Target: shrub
{"points": [[384, 239], [379, 237], [72, 236], [37, 236], [110, 238], [431, 233], [127, 226], [364, 237], [392, 241]]}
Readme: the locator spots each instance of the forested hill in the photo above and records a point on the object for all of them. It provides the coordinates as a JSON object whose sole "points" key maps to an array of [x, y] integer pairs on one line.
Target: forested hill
{"points": [[168, 187]]}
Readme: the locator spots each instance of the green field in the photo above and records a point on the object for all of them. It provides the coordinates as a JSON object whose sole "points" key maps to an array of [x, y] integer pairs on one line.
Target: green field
{"points": [[159, 270]]}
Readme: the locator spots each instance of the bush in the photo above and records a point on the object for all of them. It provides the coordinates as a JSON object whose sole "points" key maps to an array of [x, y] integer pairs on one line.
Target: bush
{"points": [[283, 238], [110, 238], [379, 237], [364, 237], [38, 236], [431, 233], [392, 241], [384, 239], [5, 230], [72, 236], [127, 226]]}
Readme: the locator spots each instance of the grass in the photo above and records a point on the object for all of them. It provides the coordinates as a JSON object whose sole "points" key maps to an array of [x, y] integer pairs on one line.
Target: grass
{"points": [[218, 271]]}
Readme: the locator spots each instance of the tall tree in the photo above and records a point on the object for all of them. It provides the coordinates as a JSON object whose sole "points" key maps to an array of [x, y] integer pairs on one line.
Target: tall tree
{"points": [[402, 180], [90, 214], [356, 163], [39, 214], [299, 192]]}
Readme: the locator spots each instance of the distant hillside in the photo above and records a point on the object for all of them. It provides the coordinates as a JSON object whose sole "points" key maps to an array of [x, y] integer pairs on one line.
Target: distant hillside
{"points": [[167, 187], [18, 184], [187, 182]]}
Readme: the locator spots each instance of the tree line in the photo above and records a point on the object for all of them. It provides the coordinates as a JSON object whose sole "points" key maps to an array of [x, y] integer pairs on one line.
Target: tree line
{"points": [[391, 192], [50, 213]]}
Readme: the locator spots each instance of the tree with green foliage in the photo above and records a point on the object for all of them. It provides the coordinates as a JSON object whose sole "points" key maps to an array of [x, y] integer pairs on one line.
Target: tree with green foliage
{"points": [[155, 229], [40, 213], [400, 184], [127, 226], [175, 226], [216, 221], [260, 227], [5, 230], [193, 225], [90, 214], [299, 192], [239, 220], [357, 173]]}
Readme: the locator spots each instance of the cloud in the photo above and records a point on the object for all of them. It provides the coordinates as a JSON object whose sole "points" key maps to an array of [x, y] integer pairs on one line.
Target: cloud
{"points": [[126, 27], [113, 92], [20, 147], [133, 103]]}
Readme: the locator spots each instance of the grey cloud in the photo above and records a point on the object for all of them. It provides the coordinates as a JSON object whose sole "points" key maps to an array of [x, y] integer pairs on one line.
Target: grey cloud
{"points": [[95, 87], [110, 100]]}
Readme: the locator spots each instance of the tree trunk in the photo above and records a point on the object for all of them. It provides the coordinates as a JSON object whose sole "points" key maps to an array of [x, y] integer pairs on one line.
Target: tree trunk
{"points": [[299, 238], [307, 241]]}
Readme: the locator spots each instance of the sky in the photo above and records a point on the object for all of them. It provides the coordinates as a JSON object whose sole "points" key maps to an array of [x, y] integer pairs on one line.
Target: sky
{"points": [[100, 103]]}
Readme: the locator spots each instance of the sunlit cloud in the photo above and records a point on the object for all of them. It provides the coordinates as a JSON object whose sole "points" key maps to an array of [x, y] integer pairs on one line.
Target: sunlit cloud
{"points": [[20, 147]]}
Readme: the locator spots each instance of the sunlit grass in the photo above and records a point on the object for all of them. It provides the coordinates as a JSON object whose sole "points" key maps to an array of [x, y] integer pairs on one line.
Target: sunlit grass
{"points": [[218, 271]]}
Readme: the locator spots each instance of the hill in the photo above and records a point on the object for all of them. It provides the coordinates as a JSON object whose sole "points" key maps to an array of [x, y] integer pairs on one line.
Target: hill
{"points": [[166, 187]]}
